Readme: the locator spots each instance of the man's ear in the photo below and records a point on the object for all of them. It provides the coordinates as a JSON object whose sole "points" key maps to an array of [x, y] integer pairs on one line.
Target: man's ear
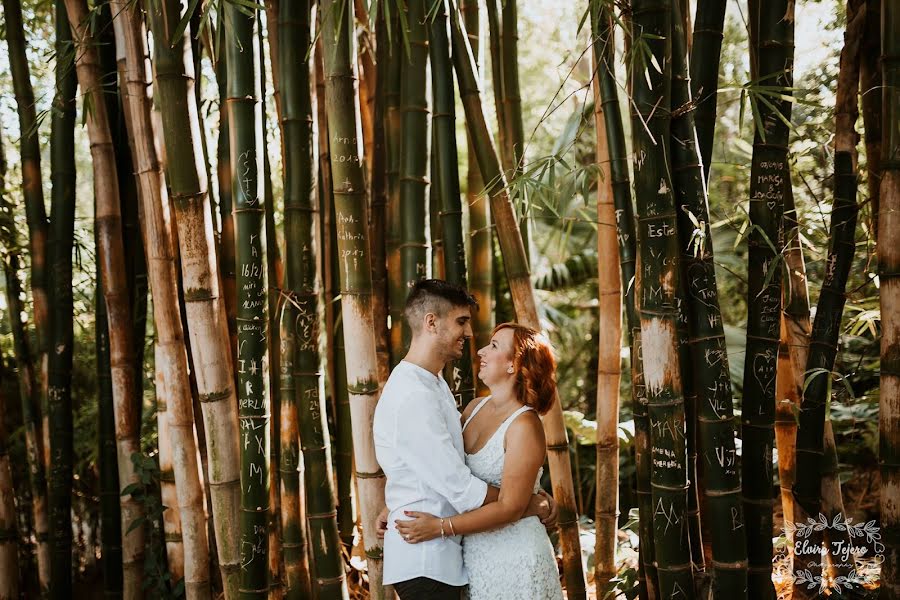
{"points": [[430, 321]]}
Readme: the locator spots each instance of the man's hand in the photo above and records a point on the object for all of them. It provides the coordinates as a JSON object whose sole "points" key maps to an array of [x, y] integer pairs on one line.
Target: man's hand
{"points": [[549, 521], [382, 523], [543, 507]]}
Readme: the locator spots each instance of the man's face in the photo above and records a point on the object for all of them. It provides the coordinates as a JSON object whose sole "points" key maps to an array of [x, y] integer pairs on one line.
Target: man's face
{"points": [[452, 331]]}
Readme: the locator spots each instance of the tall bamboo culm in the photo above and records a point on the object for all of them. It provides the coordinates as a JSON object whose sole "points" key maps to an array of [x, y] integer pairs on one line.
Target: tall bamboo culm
{"points": [[9, 551], [299, 320], [705, 50], [61, 335], [659, 285], [414, 145], [296, 130], [889, 276], [111, 256], [604, 54], [157, 229], [479, 275], [245, 126], [721, 484], [37, 444], [33, 196], [349, 188], [769, 180], [516, 266], [609, 363], [446, 180], [396, 290], [204, 308]]}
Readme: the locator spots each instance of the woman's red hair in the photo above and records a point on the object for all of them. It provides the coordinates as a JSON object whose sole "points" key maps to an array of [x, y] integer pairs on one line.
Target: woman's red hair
{"points": [[534, 367]]}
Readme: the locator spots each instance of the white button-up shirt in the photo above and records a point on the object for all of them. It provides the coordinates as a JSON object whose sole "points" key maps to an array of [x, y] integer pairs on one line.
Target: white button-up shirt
{"points": [[419, 445]]}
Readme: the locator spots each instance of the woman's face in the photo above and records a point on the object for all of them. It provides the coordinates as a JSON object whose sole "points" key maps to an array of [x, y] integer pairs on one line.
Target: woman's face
{"points": [[496, 358]]}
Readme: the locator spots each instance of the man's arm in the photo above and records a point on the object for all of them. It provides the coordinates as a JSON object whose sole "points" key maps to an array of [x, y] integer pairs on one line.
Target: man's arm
{"points": [[425, 444]]}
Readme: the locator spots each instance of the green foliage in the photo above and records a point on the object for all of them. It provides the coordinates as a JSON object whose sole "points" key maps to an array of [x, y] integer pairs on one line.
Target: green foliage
{"points": [[157, 579]]}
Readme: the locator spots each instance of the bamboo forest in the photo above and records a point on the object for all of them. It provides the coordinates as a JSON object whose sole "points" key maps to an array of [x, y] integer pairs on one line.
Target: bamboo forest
{"points": [[211, 213]]}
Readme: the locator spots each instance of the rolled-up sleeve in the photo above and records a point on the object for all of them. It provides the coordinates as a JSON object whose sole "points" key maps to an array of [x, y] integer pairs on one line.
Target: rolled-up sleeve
{"points": [[424, 443]]}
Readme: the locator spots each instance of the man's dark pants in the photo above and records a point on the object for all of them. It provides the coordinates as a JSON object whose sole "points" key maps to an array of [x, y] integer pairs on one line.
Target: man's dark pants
{"points": [[423, 588]]}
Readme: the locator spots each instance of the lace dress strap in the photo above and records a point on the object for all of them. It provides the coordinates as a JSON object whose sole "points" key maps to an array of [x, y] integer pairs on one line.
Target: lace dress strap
{"points": [[501, 431], [475, 411]]}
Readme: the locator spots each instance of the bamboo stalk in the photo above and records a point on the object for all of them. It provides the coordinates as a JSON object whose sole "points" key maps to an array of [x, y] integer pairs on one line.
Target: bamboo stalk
{"points": [[378, 215], [111, 256], [479, 275], [300, 373], [446, 180], [173, 382], [337, 364], [658, 289], [206, 318], [355, 270], [110, 517], [811, 447], [721, 486], [517, 271], [609, 368], [870, 97], [704, 68], [9, 552], [33, 196], [413, 154], [888, 270], [61, 335], [396, 290], [226, 238]]}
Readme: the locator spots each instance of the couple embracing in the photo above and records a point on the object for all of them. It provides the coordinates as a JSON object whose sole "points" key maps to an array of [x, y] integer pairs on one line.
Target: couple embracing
{"points": [[464, 504]]}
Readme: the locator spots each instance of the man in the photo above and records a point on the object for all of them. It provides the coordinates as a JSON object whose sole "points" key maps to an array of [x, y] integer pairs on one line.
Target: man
{"points": [[419, 445]]}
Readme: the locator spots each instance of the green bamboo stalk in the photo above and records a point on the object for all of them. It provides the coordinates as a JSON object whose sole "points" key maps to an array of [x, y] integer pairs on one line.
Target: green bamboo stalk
{"points": [[226, 239], [245, 126], [522, 292], [379, 183], [337, 364], [495, 47], [512, 106], [393, 136], [659, 285], [300, 317], [721, 485], [888, 270], [811, 447], [115, 291], [296, 130], [604, 53], [61, 333], [413, 153], [446, 179], [705, 52], [32, 192], [434, 212], [480, 273], [355, 269], [206, 319], [769, 178]]}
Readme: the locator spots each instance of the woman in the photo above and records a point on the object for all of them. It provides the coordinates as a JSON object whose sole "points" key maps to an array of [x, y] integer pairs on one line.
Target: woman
{"points": [[505, 556]]}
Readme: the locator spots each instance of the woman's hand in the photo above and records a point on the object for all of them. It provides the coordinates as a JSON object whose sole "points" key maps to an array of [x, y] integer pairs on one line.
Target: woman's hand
{"points": [[420, 528]]}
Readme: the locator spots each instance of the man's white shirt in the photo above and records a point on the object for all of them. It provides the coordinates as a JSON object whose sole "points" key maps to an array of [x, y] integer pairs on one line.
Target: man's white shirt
{"points": [[419, 445]]}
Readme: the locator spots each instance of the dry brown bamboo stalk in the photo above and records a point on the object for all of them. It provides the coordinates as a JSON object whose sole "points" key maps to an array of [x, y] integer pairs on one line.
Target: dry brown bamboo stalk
{"points": [[111, 255], [173, 382], [609, 369]]}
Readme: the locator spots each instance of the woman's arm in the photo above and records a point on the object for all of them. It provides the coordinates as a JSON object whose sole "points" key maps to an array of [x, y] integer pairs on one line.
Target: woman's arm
{"points": [[525, 450]]}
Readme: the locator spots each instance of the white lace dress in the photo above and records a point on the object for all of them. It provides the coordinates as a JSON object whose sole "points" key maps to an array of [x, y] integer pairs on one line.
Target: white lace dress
{"points": [[516, 561]]}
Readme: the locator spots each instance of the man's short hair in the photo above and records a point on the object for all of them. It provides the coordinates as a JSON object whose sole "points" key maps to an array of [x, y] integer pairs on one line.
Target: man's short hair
{"points": [[434, 296]]}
